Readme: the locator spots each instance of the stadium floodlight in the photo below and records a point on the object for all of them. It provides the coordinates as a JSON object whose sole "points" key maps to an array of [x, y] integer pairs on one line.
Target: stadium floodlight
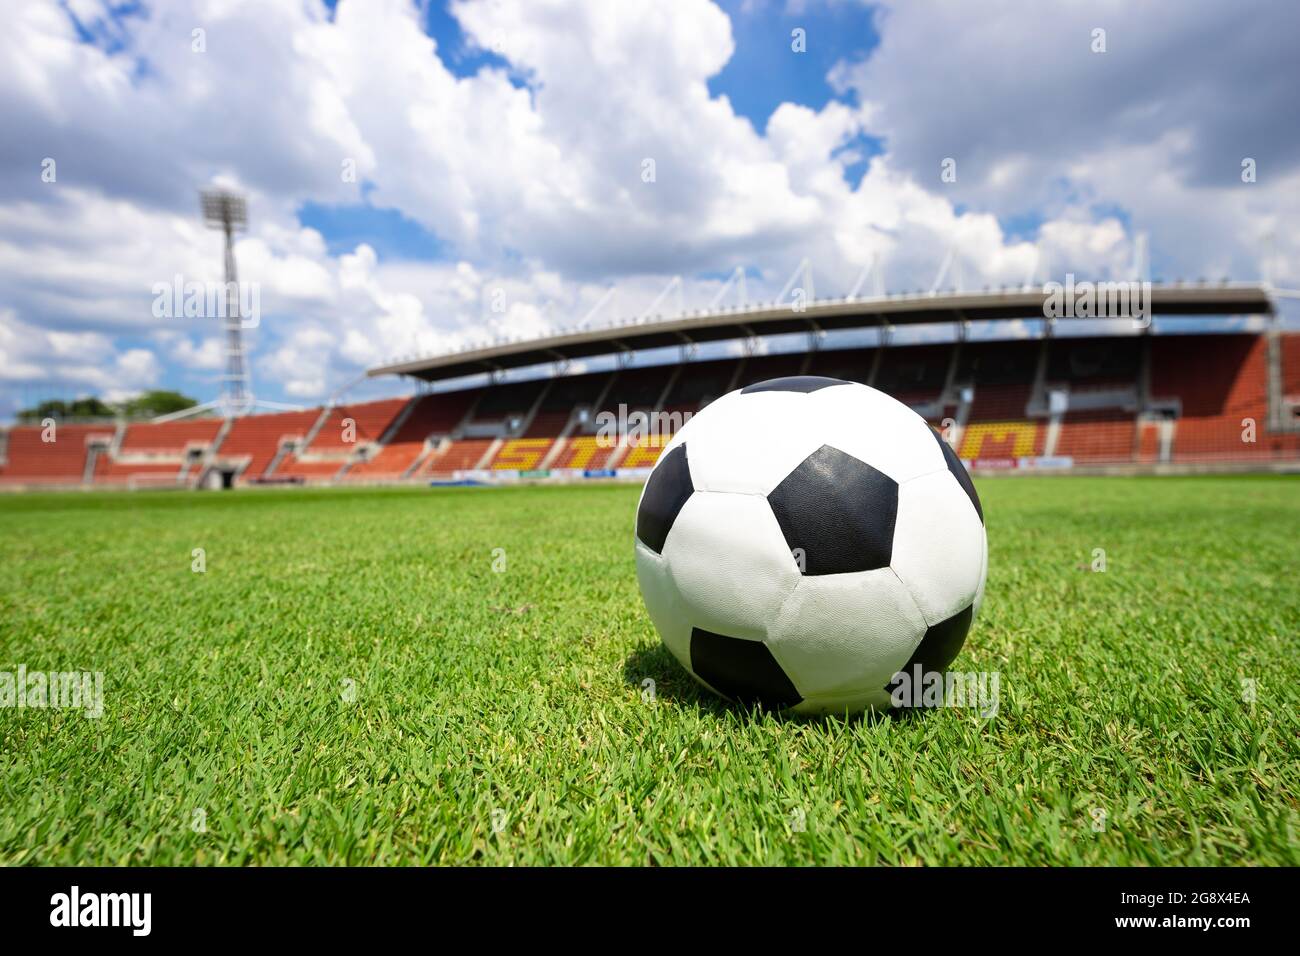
{"points": [[224, 209], [228, 211]]}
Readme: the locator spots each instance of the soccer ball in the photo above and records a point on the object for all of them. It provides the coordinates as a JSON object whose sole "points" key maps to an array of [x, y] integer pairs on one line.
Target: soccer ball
{"points": [[802, 540]]}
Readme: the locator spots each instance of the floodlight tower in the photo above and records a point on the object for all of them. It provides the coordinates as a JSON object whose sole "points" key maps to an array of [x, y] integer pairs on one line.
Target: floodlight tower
{"points": [[228, 211]]}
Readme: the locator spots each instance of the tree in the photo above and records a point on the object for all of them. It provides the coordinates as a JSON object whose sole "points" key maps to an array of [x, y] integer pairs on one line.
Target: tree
{"points": [[145, 405], [154, 403], [89, 407]]}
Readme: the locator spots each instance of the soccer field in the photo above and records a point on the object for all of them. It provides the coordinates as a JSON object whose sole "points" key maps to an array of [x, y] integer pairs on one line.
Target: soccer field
{"points": [[361, 676]]}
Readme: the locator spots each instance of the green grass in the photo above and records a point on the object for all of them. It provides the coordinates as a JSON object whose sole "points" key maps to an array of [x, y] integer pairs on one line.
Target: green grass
{"points": [[520, 693]]}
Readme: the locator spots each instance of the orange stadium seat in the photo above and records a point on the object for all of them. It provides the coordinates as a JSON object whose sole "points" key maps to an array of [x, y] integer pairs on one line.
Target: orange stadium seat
{"points": [[258, 438], [1216, 385], [1011, 439], [368, 423], [999, 403], [461, 455], [1100, 436], [1291, 365], [31, 460], [548, 424], [523, 454], [644, 453], [583, 452], [346, 428], [169, 437], [1221, 382], [429, 415]]}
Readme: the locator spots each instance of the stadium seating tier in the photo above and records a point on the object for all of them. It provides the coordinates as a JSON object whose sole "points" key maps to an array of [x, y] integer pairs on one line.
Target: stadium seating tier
{"points": [[1207, 401]]}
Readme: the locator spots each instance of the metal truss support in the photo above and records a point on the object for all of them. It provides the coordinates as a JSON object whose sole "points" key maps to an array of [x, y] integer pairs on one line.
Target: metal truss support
{"points": [[674, 283], [737, 278]]}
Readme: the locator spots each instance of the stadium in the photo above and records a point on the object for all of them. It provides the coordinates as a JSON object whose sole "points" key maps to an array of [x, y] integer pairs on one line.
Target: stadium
{"points": [[379, 596], [1137, 403]]}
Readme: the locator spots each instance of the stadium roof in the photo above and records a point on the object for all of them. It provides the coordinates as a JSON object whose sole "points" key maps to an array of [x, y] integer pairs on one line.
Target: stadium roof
{"points": [[1227, 298]]}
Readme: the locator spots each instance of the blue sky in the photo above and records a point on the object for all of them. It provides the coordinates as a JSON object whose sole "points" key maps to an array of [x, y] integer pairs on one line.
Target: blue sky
{"points": [[387, 231], [760, 76]]}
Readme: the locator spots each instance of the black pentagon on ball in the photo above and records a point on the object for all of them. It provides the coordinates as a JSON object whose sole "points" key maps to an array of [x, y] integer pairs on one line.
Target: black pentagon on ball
{"points": [[938, 648], [837, 512], [959, 472], [666, 491], [793, 383], [743, 670]]}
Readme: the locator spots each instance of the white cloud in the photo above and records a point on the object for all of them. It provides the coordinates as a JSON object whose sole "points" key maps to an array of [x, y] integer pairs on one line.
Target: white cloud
{"points": [[206, 354], [1157, 125], [77, 362], [541, 192]]}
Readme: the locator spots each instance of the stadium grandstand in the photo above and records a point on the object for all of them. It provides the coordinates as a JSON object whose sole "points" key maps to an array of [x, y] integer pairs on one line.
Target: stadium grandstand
{"points": [[1101, 403]]}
